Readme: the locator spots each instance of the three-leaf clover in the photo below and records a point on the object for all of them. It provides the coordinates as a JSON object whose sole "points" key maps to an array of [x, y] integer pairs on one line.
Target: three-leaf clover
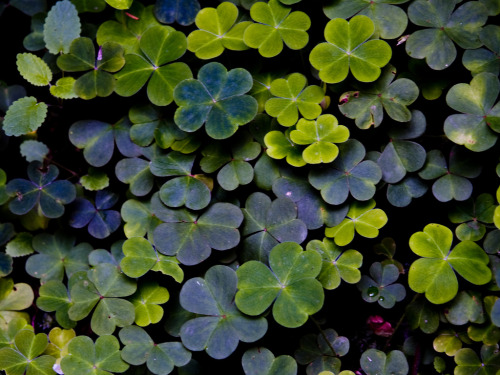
{"points": [[217, 31], [316, 351], [291, 97], [160, 45], [100, 219], [86, 357], [472, 217], [57, 255], [289, 281], [452, 178], [337, 264], [102, 286], [26, 355], [390, 21], [443, 27], [347, 174], [217, 99], [98, 140], [41, 190], [146, 301], [236, 169], [160, 358], [191, 237], [363, 218], [279, 146], [141, 256], [268, 223], [221, 325], [139, 218], [367, 105], [320, 135], [348, 47], [381, 285], [434, 273], [82, 57], [479, 120], [275, 24]]}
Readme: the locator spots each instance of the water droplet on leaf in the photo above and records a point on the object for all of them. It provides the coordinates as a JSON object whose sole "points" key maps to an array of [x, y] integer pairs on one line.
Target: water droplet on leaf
{"points": [[372, 291]]}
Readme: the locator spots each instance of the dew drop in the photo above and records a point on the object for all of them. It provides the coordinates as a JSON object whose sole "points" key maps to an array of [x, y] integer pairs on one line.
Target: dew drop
{"points": [[372, 291], [381, 298]]}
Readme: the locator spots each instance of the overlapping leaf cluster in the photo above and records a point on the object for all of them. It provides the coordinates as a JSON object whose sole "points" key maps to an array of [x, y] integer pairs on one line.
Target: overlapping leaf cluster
{"points": [[181, 180]]}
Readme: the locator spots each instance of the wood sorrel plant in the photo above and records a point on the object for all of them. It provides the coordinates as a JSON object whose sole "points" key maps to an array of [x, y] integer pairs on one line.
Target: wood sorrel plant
{"points": [[194, 186]]}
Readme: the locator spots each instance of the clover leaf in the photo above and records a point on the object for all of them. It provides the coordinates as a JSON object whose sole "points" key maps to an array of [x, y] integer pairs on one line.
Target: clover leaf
{"points": [[141, 256], [348, 47], [27, 355], [148, 124], [375, 361], [424, 315], [289, 281], [82, 57], [274, 25], [452, 179], [472, 217], [98, 140], [236, 169], [187, 190], [268, 223], [24, 116], [42, 190], [102, 286], [217, 99], [181, 11], [160, 358], [315, 351], [468, 362], [400, 155], [160, 45], [320, 135], [434, 272], [390, 21], [362, 218], [484, 59], [139, 218], [348, 174], [100, 219], [62, 26], [291, 97], [217, 31], [402, 193], [127, 31], [191, 237], [53, 296], [380, 286], [222, 326], [13, 299], [10, 331], [279, 145], [311, 209], [480, 117], [367, 105], [86, 357], [146, 301], [57, 255], [464, 309], [261, 361], [435, 43], [337, 264]]}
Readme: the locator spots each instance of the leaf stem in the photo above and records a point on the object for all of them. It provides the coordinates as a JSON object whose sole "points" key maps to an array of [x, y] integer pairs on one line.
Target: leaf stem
{"points": [[323, 334], [398, 324]]}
